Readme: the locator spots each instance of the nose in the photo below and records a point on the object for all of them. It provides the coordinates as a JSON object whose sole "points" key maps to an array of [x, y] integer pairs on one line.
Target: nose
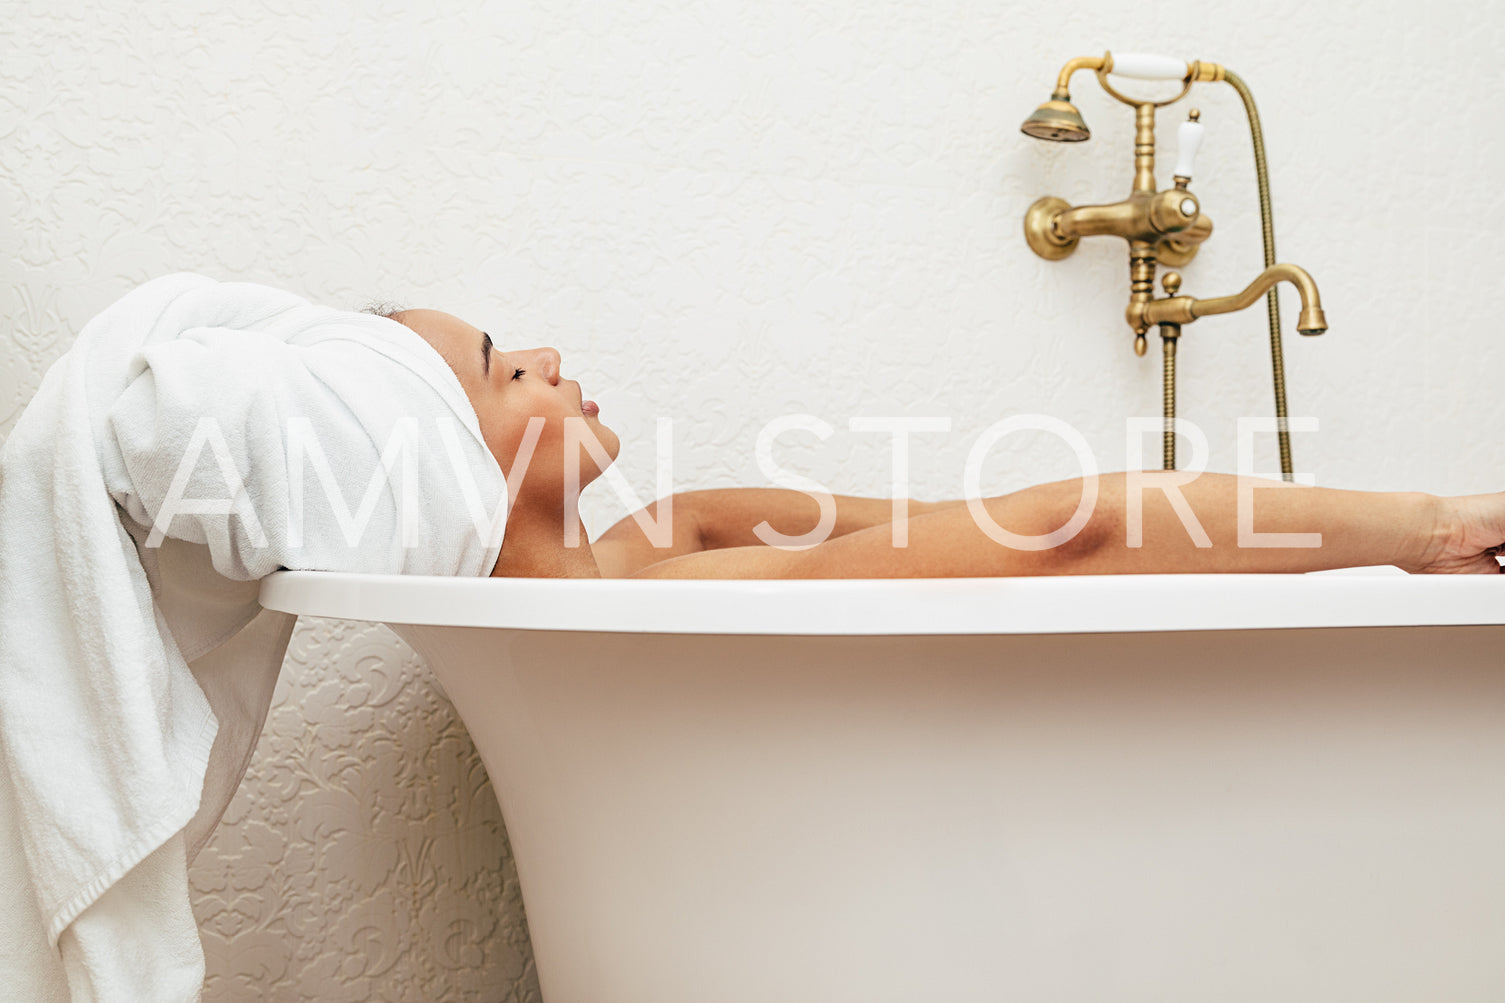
{"points": [[547, 361]]}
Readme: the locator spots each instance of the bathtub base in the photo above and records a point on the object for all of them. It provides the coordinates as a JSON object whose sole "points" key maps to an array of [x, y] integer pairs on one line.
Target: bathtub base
{"points": [[1309, 814]]}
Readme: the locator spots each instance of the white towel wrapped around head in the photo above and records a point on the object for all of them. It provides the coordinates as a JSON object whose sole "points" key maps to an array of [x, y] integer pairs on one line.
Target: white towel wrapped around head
{"points": [[197, 436]]}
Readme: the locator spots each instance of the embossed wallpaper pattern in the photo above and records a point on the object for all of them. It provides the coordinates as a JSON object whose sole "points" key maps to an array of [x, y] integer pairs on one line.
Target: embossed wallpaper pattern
{"points": [[725, 212]]}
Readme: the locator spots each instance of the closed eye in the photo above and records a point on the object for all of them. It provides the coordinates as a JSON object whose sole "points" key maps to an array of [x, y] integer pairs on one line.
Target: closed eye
{"points": [[518, 373]]}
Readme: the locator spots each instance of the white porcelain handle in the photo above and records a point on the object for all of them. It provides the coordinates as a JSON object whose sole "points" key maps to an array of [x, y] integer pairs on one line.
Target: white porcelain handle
{"points": [[1188, 138], [1144, 67]]}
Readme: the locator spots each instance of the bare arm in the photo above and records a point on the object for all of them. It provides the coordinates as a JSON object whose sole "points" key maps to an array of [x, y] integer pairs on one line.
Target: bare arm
{"points": [[722, 518], [731, 517], [1414, 531]]}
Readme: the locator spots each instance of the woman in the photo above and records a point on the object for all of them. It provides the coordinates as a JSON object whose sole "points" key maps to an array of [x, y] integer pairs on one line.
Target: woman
{"points": [[713, 531]]}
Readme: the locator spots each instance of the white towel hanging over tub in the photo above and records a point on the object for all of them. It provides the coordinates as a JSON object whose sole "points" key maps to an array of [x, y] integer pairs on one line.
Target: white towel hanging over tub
{"points": [[136, 668]]}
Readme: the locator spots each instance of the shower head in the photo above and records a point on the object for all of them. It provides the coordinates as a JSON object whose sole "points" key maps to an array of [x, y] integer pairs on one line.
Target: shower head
{"points": [[1057, 120]]}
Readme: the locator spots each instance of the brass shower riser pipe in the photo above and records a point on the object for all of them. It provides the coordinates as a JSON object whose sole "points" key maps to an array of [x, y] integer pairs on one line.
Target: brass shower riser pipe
{"points": [[1169, 335], [1144, 148]]}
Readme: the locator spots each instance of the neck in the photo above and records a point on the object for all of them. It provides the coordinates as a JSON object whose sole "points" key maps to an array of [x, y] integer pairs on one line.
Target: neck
{"points": [[534, 546]]}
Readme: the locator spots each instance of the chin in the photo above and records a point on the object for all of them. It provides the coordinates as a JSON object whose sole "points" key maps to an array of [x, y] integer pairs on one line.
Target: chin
{"points": [[609, 440], [591, 466]]}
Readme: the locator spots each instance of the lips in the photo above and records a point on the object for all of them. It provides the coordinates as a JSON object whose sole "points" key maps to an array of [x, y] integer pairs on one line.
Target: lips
{"points": [[588, 408]]}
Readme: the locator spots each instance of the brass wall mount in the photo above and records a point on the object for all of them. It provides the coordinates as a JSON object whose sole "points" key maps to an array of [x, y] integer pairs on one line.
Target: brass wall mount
{"points": [[1164, 226]]}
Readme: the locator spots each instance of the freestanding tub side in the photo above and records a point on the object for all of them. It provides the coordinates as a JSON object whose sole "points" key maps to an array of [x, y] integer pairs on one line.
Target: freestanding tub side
{"points": [[1124, 788]]}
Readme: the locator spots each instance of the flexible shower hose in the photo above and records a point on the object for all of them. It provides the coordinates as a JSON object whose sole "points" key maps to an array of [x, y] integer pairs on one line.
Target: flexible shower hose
{"points": [[1272, 301]]}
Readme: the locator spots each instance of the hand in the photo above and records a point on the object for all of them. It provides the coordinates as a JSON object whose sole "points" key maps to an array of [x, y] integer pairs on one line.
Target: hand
{"points": [[1471, 535]]}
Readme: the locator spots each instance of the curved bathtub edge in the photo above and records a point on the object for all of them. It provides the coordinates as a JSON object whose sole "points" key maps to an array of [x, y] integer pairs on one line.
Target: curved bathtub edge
{"points": [[1044, 605]]}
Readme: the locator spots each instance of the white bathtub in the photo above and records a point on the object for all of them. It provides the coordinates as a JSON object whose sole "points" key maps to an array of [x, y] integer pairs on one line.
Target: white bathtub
{"points": [[1106, 789]]}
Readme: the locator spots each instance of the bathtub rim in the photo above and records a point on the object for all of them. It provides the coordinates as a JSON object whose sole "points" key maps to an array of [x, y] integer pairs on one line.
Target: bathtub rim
{"points": [[1065, 604]]}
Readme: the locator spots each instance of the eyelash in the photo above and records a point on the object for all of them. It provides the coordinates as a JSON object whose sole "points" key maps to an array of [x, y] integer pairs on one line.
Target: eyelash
{"points": [[518, 372]]}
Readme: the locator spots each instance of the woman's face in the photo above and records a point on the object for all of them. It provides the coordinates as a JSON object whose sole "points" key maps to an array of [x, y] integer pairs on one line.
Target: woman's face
{"points": [[507, 387]]}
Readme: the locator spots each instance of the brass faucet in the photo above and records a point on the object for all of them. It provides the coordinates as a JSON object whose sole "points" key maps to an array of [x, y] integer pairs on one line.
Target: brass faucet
{"points": [[1164, 226], [1183, 309]]}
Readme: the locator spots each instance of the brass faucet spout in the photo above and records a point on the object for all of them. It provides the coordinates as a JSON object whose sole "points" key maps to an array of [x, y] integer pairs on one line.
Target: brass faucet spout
{"points": [[1311, 321], [1184, 309]]}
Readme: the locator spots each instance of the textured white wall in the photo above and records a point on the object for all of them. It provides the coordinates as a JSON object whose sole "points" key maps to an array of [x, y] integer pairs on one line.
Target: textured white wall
{"points": [[723, 212]]}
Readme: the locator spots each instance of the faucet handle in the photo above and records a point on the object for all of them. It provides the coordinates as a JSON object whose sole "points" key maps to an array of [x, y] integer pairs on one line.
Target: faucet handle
{"points": [[1188, 139], [1143, 66], [1171, 282]]}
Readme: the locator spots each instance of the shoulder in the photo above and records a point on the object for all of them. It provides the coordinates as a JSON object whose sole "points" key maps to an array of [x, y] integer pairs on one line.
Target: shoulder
{"points": [[635, 542]]}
